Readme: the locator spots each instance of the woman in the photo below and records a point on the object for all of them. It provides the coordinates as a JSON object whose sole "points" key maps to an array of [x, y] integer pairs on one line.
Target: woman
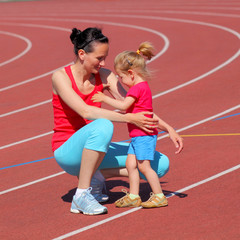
{"points": [[83, 130]]}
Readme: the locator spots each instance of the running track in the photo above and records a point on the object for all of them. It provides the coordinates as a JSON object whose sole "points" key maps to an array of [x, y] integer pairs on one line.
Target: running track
{"points": [[195, 87]]}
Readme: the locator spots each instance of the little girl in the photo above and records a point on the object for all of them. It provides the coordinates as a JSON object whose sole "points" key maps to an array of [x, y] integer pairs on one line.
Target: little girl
{"points": [[131, 68]]}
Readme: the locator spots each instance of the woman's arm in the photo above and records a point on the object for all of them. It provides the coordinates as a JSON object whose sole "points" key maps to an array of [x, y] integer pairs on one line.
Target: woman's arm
{"points": [[177, 140], [62, 87]]}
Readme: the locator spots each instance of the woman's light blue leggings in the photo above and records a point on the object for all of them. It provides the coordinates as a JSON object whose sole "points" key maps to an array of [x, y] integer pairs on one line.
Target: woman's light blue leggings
{"points": [[97, 136]]}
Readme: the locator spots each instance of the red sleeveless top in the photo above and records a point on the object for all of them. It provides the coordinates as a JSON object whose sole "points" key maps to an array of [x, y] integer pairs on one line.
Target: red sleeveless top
{"points": [[67, 121]]}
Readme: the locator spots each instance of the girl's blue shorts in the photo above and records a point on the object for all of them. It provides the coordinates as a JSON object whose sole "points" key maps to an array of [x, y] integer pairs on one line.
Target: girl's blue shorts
{"points": [[143, 147]]}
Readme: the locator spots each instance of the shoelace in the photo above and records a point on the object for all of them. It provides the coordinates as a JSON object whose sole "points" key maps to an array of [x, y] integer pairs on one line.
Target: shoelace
{"points": [[91, 202], [151, 197], [122, 199]]}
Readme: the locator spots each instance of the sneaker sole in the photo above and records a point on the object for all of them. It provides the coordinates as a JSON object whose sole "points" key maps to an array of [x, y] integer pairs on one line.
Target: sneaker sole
{"points": [[155, 206], [86, 213], [131, 206]]}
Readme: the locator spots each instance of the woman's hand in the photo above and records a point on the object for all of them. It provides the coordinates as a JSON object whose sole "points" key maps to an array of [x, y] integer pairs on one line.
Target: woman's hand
{"points": [[145, 123], [177, 140]]}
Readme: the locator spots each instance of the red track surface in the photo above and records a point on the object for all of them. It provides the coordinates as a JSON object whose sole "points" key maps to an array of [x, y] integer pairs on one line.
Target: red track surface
{"points": [[203, 38]]}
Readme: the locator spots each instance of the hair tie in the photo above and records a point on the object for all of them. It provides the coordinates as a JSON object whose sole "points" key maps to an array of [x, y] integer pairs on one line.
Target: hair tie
{"points": [[138, 51]]}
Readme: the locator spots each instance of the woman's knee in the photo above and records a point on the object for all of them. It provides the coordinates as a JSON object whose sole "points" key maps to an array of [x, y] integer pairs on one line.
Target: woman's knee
{"points": [[105, 124], [104, 128]]}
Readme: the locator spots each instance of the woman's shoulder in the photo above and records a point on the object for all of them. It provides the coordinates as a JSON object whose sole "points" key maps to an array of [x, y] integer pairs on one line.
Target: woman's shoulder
{"points": [[59, 73], [60, 79]]}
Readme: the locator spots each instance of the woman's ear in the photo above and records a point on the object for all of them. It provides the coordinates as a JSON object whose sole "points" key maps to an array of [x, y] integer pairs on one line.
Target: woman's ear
{"points": [[81, 54]]}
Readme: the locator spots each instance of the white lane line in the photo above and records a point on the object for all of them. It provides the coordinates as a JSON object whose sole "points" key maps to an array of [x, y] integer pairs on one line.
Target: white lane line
{"points": [[26, 140], [136, 209], [203, 121], [179, 130], [31, 183], [204, 181], [175, 12], [25, 108], [236, 55], [182, 129], [159, 54], [166, 42], [29, 45], [29, 80]]}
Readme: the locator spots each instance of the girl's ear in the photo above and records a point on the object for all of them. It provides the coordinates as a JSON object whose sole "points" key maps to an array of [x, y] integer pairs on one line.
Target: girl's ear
{"points": [[81, 54], [131, 73]]}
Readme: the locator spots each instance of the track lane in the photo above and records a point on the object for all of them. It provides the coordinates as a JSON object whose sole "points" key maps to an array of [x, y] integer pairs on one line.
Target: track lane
{"points": [[64, 184]]}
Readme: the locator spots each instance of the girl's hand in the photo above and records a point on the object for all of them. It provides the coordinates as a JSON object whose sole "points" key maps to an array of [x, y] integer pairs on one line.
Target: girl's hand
{"points": [[98, 97], [145, 123], [106, 86], [177, 140]]}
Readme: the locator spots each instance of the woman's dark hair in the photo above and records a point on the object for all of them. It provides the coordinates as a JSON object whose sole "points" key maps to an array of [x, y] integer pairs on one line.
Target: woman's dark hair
{"points": [[85, 39]]}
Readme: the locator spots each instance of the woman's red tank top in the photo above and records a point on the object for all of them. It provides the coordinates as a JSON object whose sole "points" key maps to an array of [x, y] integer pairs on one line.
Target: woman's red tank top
{"points": [[67, 121]]}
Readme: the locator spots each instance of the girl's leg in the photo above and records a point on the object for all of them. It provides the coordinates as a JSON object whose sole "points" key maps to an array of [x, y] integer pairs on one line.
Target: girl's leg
{"points": [[133, 173], [114, 162], [157, 198], [145, 168]]}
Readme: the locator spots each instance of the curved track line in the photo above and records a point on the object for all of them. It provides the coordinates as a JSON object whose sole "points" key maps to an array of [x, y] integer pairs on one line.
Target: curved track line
{"points": [[29, 46], [200, 77], [166, 45], [158, 11], [30, 79], [171, 20], [179, 86], [165, 92]]}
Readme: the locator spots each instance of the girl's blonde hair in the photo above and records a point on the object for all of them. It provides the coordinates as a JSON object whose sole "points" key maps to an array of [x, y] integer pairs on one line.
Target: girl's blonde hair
{"points": [[135, 60]]}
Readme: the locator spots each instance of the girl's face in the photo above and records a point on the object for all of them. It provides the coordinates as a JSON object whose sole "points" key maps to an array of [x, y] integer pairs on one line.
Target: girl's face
{"points": [[126, 78], [95, 60]]}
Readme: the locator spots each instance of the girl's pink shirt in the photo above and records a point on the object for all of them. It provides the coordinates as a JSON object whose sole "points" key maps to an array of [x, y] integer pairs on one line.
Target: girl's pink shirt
{"points": [[143, 102]]}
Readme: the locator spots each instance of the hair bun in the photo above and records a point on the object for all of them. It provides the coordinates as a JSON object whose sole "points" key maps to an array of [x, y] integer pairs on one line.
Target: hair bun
{"points": [[75, 35]]}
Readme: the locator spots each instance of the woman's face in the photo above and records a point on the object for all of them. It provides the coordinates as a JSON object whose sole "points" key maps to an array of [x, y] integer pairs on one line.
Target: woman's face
{"points": [[95, 60]]}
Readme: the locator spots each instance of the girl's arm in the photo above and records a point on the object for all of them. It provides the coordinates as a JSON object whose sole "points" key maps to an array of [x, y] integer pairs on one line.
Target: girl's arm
{"points": [[114, 87], [177, 140], [119, 104], [62, 87]]}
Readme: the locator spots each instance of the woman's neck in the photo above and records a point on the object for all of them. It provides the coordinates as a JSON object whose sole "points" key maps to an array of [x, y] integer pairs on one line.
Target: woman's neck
{"points": [[80, 72]]}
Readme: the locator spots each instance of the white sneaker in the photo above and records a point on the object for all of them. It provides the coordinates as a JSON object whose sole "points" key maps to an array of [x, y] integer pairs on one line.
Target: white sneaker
{"points": [[87, 204]]}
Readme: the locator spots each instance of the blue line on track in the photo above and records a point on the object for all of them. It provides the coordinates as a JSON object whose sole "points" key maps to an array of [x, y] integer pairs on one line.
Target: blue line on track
{"points": [[233, 115], [40, 160], [20, 164], [17, 165]]}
